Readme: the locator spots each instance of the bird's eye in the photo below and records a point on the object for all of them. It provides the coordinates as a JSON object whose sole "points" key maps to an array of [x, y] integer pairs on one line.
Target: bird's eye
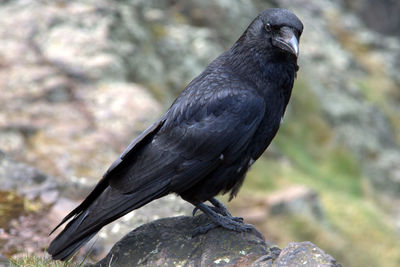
{"points": [[268, 27]]}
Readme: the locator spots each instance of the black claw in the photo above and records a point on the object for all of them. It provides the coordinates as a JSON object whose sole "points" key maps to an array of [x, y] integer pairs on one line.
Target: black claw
{"points": [[274, 252], [220, 217], [202, 229], [194, 211], [238, 219], [219, 220]]}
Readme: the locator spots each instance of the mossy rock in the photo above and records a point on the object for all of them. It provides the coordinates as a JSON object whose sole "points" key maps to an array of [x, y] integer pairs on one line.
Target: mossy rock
{"points": [[11, 207]]}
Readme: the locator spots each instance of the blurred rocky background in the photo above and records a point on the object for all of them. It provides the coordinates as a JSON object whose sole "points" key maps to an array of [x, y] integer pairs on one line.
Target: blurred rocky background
{"points": [[80, 79]]}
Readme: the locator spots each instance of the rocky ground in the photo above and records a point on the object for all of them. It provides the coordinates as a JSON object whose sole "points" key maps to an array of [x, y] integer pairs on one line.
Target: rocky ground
{"points": [[80, 79], [168, 242]]}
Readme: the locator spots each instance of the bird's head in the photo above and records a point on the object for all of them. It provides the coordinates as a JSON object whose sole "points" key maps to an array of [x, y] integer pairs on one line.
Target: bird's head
{"points": [[277, 29]]}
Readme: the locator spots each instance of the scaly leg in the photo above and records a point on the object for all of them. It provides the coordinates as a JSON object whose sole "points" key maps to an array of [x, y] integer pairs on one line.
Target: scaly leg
{"points": [[220, 208], [225, 221]]}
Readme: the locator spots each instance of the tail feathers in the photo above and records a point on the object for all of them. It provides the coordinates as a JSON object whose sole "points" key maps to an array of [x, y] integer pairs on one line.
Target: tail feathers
{"points": [[109, 206], [67, 253], [96, 192]]}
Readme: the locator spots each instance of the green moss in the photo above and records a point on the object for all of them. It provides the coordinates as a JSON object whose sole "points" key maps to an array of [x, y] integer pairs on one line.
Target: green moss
{"points": [[307, 140], [264, 176], [11, 206], [381, 90], [158, 31], [365, 230], [330, 241], [41, 261]]}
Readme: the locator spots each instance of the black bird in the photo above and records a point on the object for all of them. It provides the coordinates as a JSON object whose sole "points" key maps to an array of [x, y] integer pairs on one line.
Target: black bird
{"points": [[206, 141]]}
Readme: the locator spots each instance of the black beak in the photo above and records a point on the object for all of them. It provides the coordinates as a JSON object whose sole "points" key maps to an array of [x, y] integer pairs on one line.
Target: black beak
{"points": [[287, 40]]}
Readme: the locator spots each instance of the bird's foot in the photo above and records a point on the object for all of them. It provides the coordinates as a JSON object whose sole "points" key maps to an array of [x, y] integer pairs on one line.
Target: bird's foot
{"points": [[236, 219], [196, 209], [220, 217], [219, 208], [234, 226]]}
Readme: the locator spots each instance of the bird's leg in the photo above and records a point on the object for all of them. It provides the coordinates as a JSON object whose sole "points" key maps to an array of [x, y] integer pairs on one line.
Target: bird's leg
{"points": [[221, 209], [211, 207], [226, 222], [217, 207]]}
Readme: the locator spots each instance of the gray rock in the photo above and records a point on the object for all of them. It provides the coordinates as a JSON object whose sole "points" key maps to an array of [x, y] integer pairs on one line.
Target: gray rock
{"points": [[169, 242], [157, 50], [25, 180], [384, 19], [78, 95], [304, 254], [167, 206], [12, 142]]}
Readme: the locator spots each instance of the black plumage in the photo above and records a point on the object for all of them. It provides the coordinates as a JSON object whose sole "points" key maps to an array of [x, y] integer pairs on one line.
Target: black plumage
{"points": [[204, 144]]}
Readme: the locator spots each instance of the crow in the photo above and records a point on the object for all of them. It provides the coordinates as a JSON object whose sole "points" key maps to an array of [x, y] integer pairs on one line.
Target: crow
{"points": [[206, 141]]}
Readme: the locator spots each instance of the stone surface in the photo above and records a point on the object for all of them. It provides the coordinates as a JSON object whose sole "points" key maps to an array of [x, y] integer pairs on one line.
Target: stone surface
{"points": [[36, 201], [25, 179], [304, 254], [169, 242], [167, 206], [25, 196], [385, 17], [63, 91]]}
